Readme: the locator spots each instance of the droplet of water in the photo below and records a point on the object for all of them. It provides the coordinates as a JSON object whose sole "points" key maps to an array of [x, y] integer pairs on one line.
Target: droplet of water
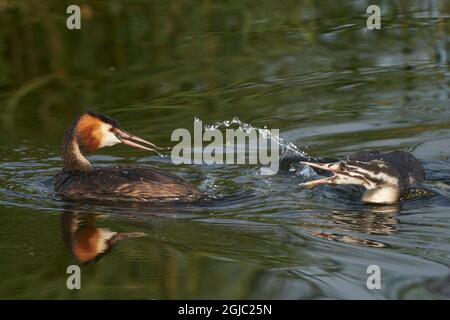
{"points": [[264, 132]]}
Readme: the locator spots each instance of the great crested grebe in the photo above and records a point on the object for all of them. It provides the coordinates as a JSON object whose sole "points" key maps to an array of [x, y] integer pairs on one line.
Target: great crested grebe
{"points": [[386, 176], [80, 180]]}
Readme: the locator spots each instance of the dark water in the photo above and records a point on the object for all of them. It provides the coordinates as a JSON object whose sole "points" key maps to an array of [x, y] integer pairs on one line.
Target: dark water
{"points": [[311, 69]]}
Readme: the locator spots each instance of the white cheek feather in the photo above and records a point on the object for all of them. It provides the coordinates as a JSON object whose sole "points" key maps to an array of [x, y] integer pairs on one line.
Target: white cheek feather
{"points": [[108, 138], [381, 175]]}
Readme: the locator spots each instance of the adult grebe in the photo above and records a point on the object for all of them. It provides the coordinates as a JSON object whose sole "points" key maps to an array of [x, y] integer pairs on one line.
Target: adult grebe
{"points": [[386, 176], [80, 180]]}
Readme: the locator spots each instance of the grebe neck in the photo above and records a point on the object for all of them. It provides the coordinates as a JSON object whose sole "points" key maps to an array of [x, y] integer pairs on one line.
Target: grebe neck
{"points": [[384, 194], [73, 158]]}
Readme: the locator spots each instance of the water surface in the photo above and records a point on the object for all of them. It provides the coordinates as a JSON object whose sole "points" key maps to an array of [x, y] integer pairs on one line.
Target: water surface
{"points": [[312, 70]]}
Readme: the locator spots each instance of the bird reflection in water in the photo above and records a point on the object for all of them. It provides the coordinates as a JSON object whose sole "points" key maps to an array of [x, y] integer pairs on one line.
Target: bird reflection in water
{"points": [[379, 220], [87, 242]]}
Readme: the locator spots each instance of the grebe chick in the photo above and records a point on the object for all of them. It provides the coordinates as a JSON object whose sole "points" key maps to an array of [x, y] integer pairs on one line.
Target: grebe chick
{"points": [[80, 180], [386, 176]]}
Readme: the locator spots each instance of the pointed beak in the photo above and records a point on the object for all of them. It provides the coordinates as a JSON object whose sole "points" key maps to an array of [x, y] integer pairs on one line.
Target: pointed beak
{"points": [[133, 141], [313, 183], [322, 166]]}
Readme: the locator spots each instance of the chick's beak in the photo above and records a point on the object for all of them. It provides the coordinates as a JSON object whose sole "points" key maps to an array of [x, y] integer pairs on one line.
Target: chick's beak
{"points": [[313, 183], [132, 140]]}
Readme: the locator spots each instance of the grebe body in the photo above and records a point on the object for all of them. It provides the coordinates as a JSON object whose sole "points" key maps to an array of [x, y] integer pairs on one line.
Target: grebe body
{"points": [[125, 183]]}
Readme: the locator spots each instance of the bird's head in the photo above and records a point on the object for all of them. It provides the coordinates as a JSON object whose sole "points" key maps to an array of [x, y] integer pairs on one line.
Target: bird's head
{"points": [[94, 130], [378, 177]]}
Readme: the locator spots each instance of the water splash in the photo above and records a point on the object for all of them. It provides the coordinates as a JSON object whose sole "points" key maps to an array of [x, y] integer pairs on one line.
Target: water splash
{"points": [[209, 186], [286, 147], [159, 153], [155, 149]]}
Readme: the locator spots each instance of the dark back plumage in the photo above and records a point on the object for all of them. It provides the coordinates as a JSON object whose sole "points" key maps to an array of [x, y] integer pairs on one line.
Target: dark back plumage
{"points": [[125, 183]]}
